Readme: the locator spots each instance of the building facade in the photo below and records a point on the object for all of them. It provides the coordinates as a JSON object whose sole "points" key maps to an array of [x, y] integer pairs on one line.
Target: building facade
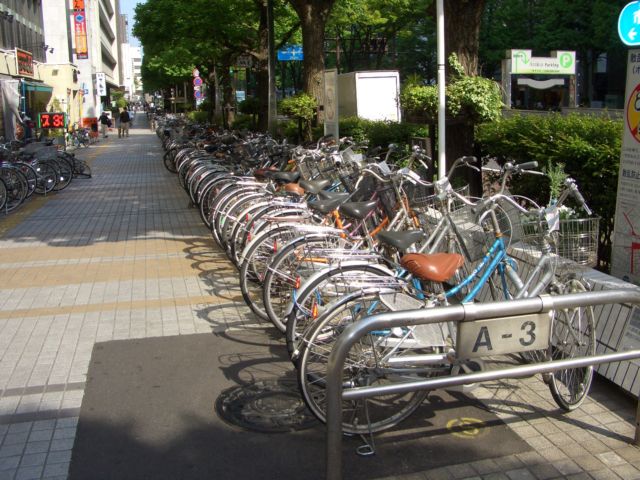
{"points": [[61, 55]]}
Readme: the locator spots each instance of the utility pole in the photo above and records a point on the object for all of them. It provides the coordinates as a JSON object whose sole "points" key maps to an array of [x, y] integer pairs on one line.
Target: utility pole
{"points": [[272, 121]]}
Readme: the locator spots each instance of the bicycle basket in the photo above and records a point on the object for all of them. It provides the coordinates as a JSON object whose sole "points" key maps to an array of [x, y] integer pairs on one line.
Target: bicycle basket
{"points": [[578, 240], [478, 236]]}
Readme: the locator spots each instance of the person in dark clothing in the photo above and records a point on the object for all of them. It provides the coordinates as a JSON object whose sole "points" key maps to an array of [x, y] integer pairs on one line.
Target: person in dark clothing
{"points": [[104, 123], [124, 123]]}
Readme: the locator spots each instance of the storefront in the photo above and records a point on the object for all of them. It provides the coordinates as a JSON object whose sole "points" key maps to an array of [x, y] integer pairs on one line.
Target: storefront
{"points": [[22, 91]]}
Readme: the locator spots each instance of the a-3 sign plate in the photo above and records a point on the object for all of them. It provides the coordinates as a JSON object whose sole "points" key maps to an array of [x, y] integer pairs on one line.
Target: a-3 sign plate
{"points": [[483, 338], [629, 24]]}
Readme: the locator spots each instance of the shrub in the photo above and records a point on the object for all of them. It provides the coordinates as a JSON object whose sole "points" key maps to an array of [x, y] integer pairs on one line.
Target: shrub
{"points": [[588, 146], [303, 108], [198, 116], [380, 133], [472, 98]]}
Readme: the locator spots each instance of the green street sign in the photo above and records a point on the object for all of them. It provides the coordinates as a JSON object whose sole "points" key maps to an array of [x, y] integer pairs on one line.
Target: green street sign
{"points": [[563, 63]]}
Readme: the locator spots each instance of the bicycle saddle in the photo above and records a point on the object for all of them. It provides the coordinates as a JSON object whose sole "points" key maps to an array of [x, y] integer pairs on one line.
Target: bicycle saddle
{"points": [[314, 186], [286, 177], [400, 240], [324, 195], [326, 206], [294, 188], [435, 267], [358, 210]]}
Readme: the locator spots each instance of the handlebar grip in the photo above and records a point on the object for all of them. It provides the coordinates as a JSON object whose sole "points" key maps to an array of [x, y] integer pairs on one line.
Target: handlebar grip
{"points": [[470, 160], [580, 199], [527, 165]]}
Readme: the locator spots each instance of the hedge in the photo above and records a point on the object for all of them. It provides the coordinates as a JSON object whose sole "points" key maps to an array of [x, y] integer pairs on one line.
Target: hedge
{"points": [[588, 146]]}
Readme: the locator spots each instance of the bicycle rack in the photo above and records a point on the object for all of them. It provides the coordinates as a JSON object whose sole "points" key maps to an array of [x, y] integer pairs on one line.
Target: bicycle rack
{"points": [[457, 313]]}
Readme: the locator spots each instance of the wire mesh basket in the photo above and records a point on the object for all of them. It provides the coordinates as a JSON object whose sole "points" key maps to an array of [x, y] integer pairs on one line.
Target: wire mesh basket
{"points": [[578, 240]]}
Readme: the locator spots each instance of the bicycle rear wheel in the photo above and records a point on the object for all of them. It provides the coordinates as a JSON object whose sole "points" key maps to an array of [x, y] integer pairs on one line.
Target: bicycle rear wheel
{"points": [[572, 336]]}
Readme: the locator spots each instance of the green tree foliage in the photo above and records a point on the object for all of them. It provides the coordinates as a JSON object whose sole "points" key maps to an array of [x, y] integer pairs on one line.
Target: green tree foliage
{"points": [[367, 32], [472, 99]]}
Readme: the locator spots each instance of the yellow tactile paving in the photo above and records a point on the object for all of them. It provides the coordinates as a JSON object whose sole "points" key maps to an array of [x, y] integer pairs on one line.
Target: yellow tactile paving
{"points": [[135, 269], [129, 305], [144, 247]]}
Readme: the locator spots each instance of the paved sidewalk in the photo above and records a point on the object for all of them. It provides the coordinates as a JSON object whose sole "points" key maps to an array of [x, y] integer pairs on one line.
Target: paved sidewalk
{"points": [[122, 255], [115, 257]]}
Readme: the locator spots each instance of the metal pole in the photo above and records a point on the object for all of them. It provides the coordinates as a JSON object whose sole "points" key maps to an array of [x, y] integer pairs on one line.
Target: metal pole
{"points": [[442, 167], [272, 105], [468, 312]]}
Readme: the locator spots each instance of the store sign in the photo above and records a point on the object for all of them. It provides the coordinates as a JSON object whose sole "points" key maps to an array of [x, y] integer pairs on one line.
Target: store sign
{"points": [[52, 120], [101, 84], [80, 30], [564, 63], [24, 63]]}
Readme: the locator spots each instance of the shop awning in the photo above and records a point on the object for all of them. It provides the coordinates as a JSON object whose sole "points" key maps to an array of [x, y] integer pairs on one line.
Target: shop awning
{"points": [[37, 87]]}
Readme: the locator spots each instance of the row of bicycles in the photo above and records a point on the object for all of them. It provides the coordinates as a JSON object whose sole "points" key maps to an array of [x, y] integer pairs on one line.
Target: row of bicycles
{"points": [[35, 167], [328, 234]]}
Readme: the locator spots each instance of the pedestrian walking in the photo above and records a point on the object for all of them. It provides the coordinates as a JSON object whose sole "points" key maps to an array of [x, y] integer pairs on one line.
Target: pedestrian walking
{"points": [[125, 118], [104, 124]]}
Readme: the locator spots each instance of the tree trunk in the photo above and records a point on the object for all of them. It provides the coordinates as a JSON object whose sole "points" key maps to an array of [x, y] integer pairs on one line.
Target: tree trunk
{"points": [[313, 16], [464, 42], [463, 38]]}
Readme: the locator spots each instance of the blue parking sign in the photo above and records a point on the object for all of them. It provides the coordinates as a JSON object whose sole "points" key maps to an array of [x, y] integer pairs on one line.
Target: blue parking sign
{"points": [[629, 24]]}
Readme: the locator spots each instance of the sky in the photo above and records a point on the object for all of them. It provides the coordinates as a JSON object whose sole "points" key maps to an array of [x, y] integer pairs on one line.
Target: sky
{"points": [[126, 8]]}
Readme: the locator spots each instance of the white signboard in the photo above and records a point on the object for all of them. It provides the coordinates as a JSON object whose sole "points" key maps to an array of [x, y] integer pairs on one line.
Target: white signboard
{"points": [[625, 255], [331, 126], [101, 84], [563, 63]]}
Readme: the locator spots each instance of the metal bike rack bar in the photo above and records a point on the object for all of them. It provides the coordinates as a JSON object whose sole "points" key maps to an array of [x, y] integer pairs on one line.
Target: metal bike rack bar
{"points": [[457, 313]]}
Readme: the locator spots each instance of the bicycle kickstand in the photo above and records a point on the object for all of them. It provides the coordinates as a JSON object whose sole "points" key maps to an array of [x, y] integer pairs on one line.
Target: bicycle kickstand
{"points": [[369, 447]]}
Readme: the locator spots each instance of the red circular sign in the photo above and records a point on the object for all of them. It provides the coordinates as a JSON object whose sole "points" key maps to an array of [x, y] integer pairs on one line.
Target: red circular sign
{"points": [[197, 81], [633, 113]]}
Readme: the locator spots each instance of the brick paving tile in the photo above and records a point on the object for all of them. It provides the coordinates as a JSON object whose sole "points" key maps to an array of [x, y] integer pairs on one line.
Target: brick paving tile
{"points": [[544, 471]]}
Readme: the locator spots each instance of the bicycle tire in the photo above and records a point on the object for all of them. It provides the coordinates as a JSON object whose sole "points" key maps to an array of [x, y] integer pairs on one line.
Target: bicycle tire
{"points": [[362, 368], [225, 219], [319, 293], [30, 174], [47, 178], [258, 222], [572, 335], [255, 261], [16, 186], [293, 265], [65, 173], [3, 194]]}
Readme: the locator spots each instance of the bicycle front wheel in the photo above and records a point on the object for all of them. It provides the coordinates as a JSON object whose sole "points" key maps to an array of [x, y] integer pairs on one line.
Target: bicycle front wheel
{"points": [[572, 336], [365, 366]]}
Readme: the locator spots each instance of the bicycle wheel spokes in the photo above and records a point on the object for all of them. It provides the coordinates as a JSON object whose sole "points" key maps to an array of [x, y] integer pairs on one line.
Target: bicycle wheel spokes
{"points": [[364, 366], [573, 335]]}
